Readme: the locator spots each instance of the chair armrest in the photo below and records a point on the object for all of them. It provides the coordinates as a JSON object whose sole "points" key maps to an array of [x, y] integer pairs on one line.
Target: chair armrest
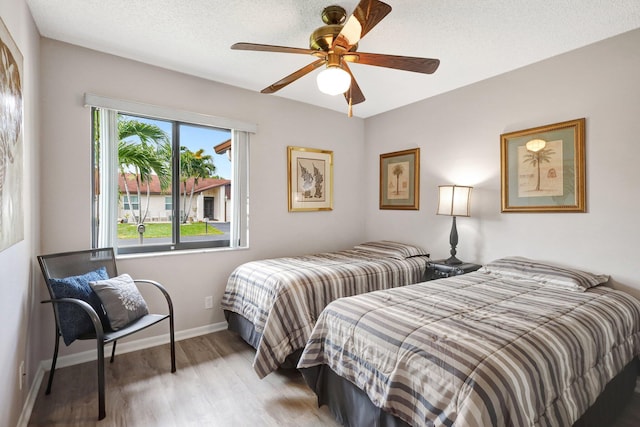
{"points": [[161, 288], [97, 324]]}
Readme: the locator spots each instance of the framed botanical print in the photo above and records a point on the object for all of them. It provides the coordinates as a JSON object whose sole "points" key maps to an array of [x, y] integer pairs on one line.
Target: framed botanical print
{"points": [[543, 168], [400, 180], [310, 179]]}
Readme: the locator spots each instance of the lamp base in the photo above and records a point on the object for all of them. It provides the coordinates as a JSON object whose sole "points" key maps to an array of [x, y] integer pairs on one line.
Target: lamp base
{"points": [[452, 260], [453, 240]]}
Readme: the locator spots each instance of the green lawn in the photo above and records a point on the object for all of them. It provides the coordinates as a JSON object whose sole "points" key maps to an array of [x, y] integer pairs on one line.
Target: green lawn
{"points": [[163, 229]]}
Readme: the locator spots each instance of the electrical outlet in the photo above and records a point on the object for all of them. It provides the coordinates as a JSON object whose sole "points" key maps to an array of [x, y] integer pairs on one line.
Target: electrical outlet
{"points": [[21, 375], [208, 302]]}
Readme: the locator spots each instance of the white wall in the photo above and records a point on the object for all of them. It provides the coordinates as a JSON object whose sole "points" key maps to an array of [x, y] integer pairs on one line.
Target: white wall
{"points": [[69, 71], [16, 262], [459, 137]]}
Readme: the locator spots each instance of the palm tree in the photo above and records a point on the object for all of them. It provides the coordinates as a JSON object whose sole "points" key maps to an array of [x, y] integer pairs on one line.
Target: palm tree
{"points": [[397, 171], [193, 165], [148, 154], [537, 157]]}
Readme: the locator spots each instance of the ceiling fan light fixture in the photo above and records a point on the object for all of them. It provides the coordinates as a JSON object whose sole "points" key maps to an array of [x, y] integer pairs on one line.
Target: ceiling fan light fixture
{"points": [[333, 80], [334, 45]]}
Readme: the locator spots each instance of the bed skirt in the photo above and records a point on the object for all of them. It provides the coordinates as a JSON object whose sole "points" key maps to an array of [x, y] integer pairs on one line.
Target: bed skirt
{"points": [[242, 326], [352, 407]]}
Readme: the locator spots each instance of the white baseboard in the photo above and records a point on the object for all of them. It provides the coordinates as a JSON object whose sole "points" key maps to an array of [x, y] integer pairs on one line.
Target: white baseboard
{"points": [[23, 421], [90, 355], [127, 347]]}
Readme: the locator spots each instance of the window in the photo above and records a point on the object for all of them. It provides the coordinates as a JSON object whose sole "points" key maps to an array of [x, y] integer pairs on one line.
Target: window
{"points": [[130, 203], [167, 180]]}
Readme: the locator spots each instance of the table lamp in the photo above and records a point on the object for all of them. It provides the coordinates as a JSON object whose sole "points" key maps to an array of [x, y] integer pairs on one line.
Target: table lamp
{"points": [[453, 200]]}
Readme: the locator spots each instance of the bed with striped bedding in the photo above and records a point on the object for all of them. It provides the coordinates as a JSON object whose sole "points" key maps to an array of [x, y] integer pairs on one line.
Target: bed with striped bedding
{"points": [[488, 348], [281, 298]]}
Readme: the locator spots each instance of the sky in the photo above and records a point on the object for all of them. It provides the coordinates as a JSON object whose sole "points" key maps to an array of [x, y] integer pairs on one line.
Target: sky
{"points": [[197, 137]]}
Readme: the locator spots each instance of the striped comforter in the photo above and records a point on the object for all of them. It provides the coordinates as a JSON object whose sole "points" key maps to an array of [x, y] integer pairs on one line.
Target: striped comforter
{"points": [[479, 350], [283, 297]]}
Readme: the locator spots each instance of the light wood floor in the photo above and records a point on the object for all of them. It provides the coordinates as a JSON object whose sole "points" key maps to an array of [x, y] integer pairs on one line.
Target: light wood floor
{"points": [[215, 385]]}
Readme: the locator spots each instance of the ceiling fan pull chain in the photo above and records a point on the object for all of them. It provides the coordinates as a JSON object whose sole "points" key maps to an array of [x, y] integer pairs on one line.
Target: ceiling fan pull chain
{"points": [[350, 113]]}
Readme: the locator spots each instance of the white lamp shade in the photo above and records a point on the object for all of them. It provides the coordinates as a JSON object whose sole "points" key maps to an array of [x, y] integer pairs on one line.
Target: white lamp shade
{"points": [[333, 81], [454, 200]]}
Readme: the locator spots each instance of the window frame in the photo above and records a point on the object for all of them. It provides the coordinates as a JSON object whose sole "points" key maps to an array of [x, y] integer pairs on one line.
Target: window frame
{"points": [[240, 135]]}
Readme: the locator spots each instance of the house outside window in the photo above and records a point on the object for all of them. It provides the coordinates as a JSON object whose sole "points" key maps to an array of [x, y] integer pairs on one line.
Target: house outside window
{"points": [[179, 189]]}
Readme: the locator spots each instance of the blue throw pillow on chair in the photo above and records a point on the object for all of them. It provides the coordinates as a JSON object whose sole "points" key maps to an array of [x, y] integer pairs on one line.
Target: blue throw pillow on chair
{"points": [[74, 321]]}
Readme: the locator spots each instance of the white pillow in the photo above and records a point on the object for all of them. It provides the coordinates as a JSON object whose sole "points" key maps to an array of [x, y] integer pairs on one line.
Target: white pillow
{"points": [[524, 268], [391, 249], [121, 300]]}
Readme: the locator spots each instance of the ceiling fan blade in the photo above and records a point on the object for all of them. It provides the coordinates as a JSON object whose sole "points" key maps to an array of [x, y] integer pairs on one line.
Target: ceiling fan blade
{"points": [[272, 48], [406, 63], [293, 76], [366, 15], [354, 92]]}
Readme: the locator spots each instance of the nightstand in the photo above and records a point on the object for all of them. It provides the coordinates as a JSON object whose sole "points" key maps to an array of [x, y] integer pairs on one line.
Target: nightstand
{"points": [[438, 269]]}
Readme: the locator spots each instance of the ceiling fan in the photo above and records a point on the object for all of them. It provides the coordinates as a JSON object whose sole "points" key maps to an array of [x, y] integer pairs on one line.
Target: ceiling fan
{"points": [[335, 45]]}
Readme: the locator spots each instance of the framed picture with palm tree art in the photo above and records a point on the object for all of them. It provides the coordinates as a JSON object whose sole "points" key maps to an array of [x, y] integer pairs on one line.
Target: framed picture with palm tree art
{"points": [[400, 180], [543, 168], [310, 179]]}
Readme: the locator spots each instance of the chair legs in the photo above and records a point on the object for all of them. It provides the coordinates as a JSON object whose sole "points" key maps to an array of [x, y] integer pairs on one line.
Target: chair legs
{"points": [[101, 380], [101, 395], [53, 362], [113, 352], [173, 345]]}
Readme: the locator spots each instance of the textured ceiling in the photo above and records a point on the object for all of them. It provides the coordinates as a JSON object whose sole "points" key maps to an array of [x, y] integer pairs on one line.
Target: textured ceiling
{"points": [[473, 39]]}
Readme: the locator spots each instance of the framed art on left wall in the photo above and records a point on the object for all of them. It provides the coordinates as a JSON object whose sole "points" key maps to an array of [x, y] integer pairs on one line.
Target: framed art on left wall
{"points": [[11, 157], [310, 179]]}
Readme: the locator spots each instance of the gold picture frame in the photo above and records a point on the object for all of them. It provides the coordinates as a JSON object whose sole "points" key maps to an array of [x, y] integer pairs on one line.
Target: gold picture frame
{"points": [[310, 179], [400, 180], [543, 168]]}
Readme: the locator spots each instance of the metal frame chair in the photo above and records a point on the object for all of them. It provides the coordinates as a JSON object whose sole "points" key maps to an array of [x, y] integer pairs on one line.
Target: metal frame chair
{"points": [[67, 264]]}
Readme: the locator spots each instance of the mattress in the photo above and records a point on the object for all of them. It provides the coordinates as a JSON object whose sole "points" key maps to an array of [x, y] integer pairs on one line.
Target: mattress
{"points": [[283, 297], [479, 349]]}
